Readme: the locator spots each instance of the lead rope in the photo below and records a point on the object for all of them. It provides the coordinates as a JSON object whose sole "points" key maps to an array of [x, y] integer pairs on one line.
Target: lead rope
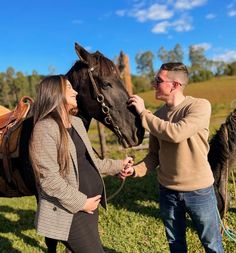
{"points": [[121, 185], [117, 191]]}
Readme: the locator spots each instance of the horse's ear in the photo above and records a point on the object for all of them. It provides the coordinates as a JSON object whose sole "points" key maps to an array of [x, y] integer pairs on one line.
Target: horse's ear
{"points": [[82, 53]]}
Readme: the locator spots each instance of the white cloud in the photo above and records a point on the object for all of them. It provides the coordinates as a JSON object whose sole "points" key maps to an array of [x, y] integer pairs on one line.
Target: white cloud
{"points": [[161, 27], [164, 13], [183, 24], [232, 13], [210, 16], [188, 4], [154, 12], [227, 56], [204, 45]]}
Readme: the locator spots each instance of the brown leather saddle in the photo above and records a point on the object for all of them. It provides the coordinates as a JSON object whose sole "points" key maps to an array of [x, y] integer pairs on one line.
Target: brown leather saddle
{"points": [[10, 130]]}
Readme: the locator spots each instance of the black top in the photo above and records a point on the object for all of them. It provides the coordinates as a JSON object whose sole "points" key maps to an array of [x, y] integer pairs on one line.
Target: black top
{"points": [[90, 182]]}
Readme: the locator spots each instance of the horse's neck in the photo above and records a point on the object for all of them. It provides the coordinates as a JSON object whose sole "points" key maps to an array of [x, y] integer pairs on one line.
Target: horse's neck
{"points": [[86, 120]]}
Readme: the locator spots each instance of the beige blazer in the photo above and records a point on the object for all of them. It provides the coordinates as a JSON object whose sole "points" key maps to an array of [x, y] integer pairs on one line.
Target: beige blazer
{"points": [[60, 198]]}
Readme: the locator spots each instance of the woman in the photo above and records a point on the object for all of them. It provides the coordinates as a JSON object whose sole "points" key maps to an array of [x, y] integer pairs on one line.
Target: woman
{"points": [[68, 174]]}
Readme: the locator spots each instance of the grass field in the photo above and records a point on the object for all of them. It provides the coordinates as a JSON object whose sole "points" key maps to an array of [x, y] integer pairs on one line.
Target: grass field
{"points": [[132, 223]]}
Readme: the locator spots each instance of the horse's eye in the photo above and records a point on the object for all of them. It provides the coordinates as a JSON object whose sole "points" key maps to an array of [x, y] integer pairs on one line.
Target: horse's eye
{"points": [[106, 85]]}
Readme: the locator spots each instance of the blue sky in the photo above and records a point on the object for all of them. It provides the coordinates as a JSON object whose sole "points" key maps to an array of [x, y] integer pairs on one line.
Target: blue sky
{"points": [[40, 34]]}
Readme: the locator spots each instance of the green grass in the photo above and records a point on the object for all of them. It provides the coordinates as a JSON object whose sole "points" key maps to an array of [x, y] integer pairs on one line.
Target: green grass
{"points": [[132, 223]]}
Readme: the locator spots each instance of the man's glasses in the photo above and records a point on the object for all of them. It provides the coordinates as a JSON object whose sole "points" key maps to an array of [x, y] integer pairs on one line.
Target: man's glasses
{"points": [[157, 81]]}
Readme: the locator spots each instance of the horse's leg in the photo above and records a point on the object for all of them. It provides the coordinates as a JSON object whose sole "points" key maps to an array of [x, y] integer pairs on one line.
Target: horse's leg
{"points": [[51, 245]]}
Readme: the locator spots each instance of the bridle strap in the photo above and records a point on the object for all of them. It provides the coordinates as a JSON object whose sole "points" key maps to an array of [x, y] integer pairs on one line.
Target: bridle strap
{"points": [[90, 70], [108, 120], [105, 109]]}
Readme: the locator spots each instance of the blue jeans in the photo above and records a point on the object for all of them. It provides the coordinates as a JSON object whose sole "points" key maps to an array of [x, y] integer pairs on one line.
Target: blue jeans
{"points": [[201, 207]]}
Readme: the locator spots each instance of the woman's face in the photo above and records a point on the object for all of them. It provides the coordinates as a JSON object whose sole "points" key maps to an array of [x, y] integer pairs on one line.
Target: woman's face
{"points": [[70, 95]]}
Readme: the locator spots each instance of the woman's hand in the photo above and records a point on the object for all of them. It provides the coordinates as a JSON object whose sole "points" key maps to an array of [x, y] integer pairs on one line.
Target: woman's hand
{"points": [[91, 204], [128, 169], [126, 172]]}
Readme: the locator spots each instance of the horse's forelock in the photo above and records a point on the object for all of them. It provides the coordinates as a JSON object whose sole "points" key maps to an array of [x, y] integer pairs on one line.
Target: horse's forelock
{"points": [[107, 67]]}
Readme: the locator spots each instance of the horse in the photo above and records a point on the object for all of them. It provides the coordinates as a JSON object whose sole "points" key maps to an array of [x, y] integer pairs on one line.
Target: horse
{"points": [[222, 159], [102, 96]]}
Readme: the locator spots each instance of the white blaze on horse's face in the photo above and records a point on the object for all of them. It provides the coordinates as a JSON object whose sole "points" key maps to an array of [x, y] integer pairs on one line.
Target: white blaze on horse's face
{"points": [[70, 95]]}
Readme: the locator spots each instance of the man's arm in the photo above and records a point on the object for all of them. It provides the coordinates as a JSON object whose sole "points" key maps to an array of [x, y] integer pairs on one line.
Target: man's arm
{"points": [[150, 162]]}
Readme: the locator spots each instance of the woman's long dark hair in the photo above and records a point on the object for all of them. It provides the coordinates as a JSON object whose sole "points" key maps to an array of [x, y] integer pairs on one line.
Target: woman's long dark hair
{"points": [[51, 102]]}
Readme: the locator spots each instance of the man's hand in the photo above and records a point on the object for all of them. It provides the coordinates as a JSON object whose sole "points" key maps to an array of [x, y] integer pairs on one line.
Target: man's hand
{"points": [[137, 102], [128, 161]]}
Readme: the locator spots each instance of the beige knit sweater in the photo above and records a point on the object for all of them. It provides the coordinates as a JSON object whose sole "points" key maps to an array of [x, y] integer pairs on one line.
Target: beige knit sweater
{"points": [[179, 144]]}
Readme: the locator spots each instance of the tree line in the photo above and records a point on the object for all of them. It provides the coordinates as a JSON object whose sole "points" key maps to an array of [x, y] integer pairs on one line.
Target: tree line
{"points": [[14, 85]]}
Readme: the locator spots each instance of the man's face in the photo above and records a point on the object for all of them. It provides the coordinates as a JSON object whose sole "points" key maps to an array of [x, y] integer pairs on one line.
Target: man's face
{"points": [[162, 85]]}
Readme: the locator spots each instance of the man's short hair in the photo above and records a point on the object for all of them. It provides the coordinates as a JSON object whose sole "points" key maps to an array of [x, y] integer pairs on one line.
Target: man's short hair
{"points": [[177, 71], [174, 66]]}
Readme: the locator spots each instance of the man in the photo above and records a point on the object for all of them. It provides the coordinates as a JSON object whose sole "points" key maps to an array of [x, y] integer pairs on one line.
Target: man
{"points": [[179, 145]]}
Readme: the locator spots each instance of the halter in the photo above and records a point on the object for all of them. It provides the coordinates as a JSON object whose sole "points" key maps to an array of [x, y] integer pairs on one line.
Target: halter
{"points": [[105, 109]]}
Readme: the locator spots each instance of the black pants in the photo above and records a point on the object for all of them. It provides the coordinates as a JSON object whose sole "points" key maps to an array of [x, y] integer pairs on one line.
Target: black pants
{"points": [[84, 236]]}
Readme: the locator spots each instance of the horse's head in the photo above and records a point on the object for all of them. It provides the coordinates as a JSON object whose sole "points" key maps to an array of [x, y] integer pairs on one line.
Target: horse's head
{"points": [[102, 95]]}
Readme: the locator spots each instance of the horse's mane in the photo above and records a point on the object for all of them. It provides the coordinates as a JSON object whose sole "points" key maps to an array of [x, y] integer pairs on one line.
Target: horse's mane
{"points": [[223, 143]]}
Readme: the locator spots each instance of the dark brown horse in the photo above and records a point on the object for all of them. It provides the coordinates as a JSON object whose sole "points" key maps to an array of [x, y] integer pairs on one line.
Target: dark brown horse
{"points": [[101, 95], [222, 158]]}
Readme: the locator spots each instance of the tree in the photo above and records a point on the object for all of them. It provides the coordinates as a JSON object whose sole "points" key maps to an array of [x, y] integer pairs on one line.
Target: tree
{"points": [[141, 83], [218, 67], [2, 84], [230, 69], [201, 67], [144, 63], [197, 57], [10, 88], [178, 53], [174, 55], [21, 85], [162, 54], [33, 81]]}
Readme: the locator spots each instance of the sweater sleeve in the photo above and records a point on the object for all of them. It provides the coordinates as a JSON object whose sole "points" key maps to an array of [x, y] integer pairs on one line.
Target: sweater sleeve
{"points": [[44, 150], [196, 118], [151, 161]]}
